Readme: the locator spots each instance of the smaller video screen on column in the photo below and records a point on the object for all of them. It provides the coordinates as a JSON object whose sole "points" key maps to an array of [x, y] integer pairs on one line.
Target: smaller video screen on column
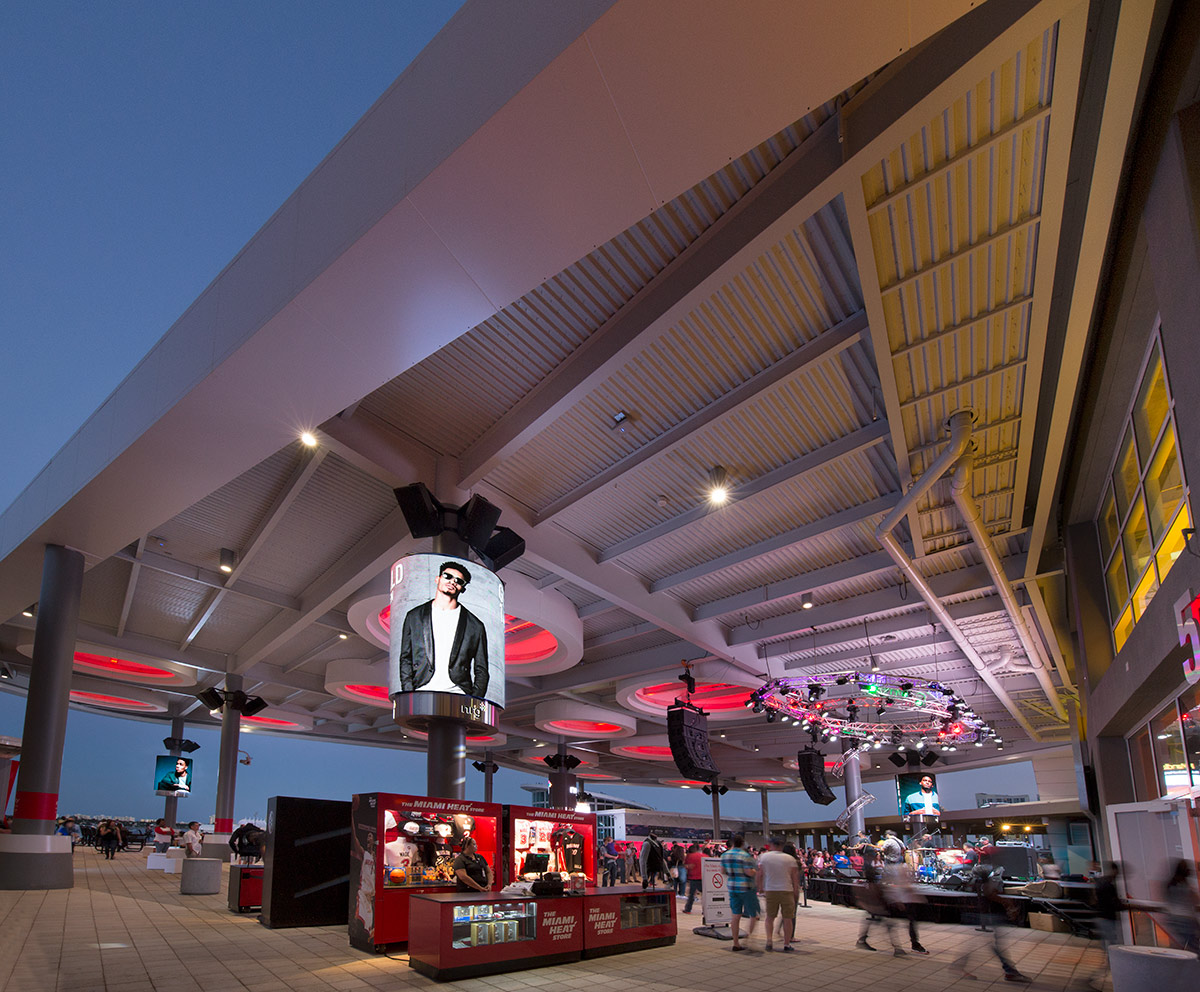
{"points": [[172, 775], [917, 794], [446, 628]]}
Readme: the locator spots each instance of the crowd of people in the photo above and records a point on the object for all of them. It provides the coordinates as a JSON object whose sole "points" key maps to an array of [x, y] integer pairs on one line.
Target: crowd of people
{"points": [[773, 883]]}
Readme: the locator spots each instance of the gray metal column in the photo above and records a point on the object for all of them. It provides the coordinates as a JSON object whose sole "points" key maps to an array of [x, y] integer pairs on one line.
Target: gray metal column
{"points": [[227, 759], [561, 781], [852, 776], [766, 816], [31, 857], [716, 798], [488, 765], [171, 803], [446, 760]]}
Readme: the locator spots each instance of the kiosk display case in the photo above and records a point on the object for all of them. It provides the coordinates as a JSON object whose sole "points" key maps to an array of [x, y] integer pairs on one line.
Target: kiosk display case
{"points": [[460, 935], [539, 840], [402, 845], [627, 919]]}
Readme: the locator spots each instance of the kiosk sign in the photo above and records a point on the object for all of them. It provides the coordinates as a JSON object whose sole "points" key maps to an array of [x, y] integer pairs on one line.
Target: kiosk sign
{"points": [[715, 893]]}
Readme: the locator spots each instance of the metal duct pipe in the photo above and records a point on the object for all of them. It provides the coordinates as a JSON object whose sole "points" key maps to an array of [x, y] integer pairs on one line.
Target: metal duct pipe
{"points": [[1008, 662], [960, 437], [960, 490]]}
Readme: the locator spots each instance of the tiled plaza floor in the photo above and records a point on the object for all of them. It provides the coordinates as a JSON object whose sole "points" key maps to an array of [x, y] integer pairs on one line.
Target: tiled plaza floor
{"points": [[124, 928]]}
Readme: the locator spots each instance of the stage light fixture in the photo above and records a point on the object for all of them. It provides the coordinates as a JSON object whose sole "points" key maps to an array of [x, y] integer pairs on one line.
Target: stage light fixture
{"points": [[718, 485], [770, 716], [180, 744], [485, 766], [228, 560], [252, 705]]}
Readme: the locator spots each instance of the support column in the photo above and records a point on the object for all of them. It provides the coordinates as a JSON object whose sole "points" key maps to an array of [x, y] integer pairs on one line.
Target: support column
{"points": [[488, 767], [561, 781], [852, 776], [766, 817], [32, 857], [716, 798], [446, 759], [227, 759], [171, 803]]}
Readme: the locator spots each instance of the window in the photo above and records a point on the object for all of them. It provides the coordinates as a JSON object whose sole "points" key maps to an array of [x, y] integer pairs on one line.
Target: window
{"points": [[1143, 509], [1170, 758]]}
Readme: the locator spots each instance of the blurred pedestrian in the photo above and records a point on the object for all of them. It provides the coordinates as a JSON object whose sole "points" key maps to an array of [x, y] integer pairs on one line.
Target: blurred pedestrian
{"points": [[693, 861], [109, 836], [1181, 908], [993, 913], [1106, 900]]}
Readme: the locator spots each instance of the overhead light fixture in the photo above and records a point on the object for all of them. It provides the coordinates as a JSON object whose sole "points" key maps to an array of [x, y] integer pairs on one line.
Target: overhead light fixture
{"points": [[718, 485], [30, 611], [211, 698], [806, 601], [308, 439], [5, 673], [620, 421], [343, 637], [181, 744], [228, 560]]}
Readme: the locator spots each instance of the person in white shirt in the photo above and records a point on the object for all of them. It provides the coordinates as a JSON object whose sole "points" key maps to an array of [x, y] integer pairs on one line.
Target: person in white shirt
{"points": [[193, 840], [778, 879]]}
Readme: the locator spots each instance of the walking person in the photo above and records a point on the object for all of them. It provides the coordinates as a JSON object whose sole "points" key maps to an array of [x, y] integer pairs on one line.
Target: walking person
{"points": [[109, 836], [1108, 905], [1181, 908], [653, 861], [741, 875], [994, 914], [693, 861], [873, 903], [778, 880]]}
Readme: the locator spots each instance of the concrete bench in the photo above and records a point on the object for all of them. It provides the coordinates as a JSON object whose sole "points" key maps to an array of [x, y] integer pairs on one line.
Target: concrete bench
{"points": [[1163, 969], [200, 877], [168, 861]]}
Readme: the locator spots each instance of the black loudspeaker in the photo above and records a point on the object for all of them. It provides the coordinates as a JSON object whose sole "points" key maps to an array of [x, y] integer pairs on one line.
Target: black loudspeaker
{"points": [[928, 759], [477, 518], [847, 874], [687, 730], [898, 760], [812, 773], [1017, 862], [422, 512]]}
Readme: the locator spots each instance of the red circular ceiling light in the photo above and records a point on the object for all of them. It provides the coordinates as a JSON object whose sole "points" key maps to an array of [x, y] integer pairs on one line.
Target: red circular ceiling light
{"points": [[682, 781], [716, 697], [370, 693], [114, 702], [385, 619], [525, 642], [583, 726], [598, 776], [766, 781], [647, 750], [269, 721], [120, 666]]}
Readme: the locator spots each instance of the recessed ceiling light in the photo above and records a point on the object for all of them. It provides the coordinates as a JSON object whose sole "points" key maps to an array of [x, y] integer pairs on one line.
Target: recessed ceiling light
{"points": [[308, 439]]}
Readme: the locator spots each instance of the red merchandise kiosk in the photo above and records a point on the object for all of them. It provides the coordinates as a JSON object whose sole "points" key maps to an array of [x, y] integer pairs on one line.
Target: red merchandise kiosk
{"points": [[539, 840], [403, 845]]}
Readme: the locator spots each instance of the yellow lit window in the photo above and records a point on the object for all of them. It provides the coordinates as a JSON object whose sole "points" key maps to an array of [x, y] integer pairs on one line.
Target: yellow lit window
{"points": [[1172, 545], [1143, 510]]}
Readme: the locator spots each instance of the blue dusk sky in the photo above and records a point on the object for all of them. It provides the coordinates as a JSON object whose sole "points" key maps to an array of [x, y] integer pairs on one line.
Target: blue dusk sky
{"points": [[145, 144]]}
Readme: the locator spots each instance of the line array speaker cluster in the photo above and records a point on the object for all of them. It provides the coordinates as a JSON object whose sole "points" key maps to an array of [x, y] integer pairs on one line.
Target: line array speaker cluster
{"points": [[687, 731]]}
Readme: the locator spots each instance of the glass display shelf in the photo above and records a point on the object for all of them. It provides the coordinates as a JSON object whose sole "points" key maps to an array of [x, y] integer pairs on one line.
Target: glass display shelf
{"points": [[483, 924], [648, 910]]}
